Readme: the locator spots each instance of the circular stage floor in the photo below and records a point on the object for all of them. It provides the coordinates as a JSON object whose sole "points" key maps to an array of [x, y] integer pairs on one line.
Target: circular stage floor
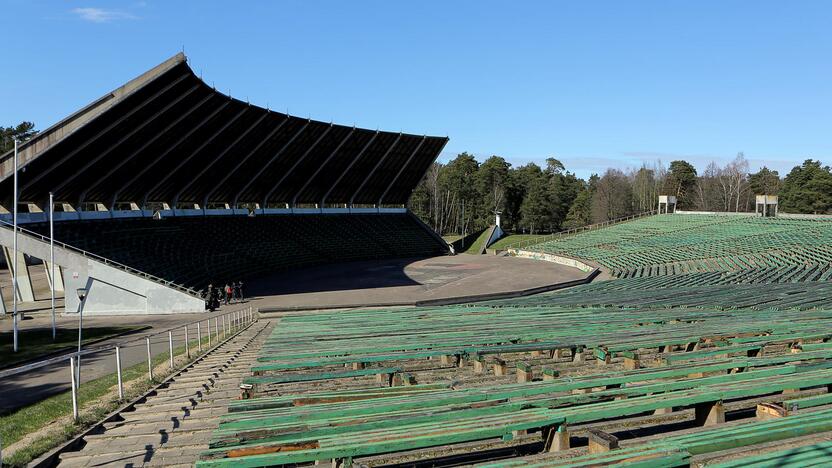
{"points": [[404, 281]]}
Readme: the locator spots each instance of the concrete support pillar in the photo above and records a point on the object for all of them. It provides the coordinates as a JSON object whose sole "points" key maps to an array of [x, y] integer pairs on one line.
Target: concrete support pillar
{"points": [[556, 439], [602, 357], [500, 367], [524, 372], [25, 292], [385, 379], [479, 365], [550, 374], [59, 276], [709, 414], [342, 462], [578, 354], [631, 361]]}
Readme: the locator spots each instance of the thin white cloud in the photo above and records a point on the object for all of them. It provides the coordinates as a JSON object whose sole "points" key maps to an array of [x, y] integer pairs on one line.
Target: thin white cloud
{"points": [[101, 15]]}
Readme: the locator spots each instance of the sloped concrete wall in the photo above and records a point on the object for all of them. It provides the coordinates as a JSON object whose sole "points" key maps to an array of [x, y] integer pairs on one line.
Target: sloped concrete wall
{"points": [[496, 234], [112, 291]]}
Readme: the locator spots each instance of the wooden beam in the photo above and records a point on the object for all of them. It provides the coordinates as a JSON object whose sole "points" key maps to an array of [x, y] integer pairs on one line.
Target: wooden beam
{"points": [[600, 441]]}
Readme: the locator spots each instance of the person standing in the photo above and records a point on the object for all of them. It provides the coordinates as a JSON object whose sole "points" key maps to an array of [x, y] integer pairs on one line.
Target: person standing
{"points": [[228, 292], [209, 298], [237, 297]]}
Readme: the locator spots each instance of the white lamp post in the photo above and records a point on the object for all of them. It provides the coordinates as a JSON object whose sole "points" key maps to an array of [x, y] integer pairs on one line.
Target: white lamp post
{"points": [[14, 253], [52, 258], [82, 294]]}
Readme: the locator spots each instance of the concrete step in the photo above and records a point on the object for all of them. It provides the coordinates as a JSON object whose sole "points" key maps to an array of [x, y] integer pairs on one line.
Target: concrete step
{"points": [[174, 425], [147, 456]]}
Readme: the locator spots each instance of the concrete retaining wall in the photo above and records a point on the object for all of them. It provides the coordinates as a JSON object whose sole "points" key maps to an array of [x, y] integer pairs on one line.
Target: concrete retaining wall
{"points": [[547, 257], [804, 216], [721, 213]]}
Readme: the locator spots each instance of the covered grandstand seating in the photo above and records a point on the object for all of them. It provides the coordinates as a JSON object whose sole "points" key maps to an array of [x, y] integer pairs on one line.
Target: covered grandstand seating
{"points": [[195, 250], [166, 141]]}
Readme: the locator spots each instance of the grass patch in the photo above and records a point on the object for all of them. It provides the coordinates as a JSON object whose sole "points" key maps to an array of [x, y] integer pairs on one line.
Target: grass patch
{"points": [[38, 342], [515, 238], [16, 425], [478, 243], [451, 238]]}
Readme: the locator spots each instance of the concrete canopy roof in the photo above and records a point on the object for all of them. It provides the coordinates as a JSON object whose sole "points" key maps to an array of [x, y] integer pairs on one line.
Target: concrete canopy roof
{"points": [[168, 137]]}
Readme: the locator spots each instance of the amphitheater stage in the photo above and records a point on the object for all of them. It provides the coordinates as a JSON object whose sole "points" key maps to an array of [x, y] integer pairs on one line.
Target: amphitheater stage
{"points": [[406, 281]]}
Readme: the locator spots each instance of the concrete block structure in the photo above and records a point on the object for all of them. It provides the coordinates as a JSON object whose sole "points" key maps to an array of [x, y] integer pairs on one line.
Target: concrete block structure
{"points": [[766, 205], [667, 204]]}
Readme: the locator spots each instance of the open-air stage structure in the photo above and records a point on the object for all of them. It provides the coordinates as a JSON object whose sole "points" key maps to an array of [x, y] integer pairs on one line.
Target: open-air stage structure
{"points": [[166, 185]]}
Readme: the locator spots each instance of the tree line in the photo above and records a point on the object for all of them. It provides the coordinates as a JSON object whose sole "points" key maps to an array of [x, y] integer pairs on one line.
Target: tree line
{"points": [[463, 195]]}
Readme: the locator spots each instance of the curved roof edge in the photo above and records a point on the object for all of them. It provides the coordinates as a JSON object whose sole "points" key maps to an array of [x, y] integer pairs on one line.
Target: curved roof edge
{"points": [[66, 126], [166, 136]]}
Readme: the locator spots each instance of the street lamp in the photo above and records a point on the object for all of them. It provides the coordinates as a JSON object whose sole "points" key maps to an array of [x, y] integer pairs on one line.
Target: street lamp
{"points": [[82, 294]]}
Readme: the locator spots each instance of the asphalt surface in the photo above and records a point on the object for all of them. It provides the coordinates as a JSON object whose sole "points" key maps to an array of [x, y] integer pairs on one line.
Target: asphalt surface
{"points": [[406, 281], [32, 386]]}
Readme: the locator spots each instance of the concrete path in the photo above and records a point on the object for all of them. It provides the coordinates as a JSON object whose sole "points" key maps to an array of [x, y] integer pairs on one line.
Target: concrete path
{"points": [[174, 425], [33, 386]]}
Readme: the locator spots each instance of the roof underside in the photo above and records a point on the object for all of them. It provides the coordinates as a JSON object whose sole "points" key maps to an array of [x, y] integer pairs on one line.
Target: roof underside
{"points": [[168, 137]]}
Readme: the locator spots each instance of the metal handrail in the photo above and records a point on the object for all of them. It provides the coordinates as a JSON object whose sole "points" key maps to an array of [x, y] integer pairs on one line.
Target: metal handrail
{"points": [[105, 260], [589, 227], [36, 365]]}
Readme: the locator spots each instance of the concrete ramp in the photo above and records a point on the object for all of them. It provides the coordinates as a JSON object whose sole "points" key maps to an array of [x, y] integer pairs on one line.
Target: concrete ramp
{"points": [[113, 288]]}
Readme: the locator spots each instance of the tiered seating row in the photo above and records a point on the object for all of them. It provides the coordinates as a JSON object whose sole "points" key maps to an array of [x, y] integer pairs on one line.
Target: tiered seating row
{"points": [[274, 437], [285, 428], [678, 450], [702, 290], [800, 457], [674, 244], [195, 251]]}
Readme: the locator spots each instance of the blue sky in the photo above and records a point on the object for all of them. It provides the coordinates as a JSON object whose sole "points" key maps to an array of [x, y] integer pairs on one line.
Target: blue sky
{"points": [[595, 84]]}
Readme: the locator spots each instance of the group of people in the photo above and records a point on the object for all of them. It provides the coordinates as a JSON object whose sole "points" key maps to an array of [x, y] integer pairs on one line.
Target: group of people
{"points": [[230, 293]]}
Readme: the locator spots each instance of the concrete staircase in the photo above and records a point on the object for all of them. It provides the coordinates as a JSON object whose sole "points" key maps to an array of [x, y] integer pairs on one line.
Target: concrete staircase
{"points": [[174, 424]]}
